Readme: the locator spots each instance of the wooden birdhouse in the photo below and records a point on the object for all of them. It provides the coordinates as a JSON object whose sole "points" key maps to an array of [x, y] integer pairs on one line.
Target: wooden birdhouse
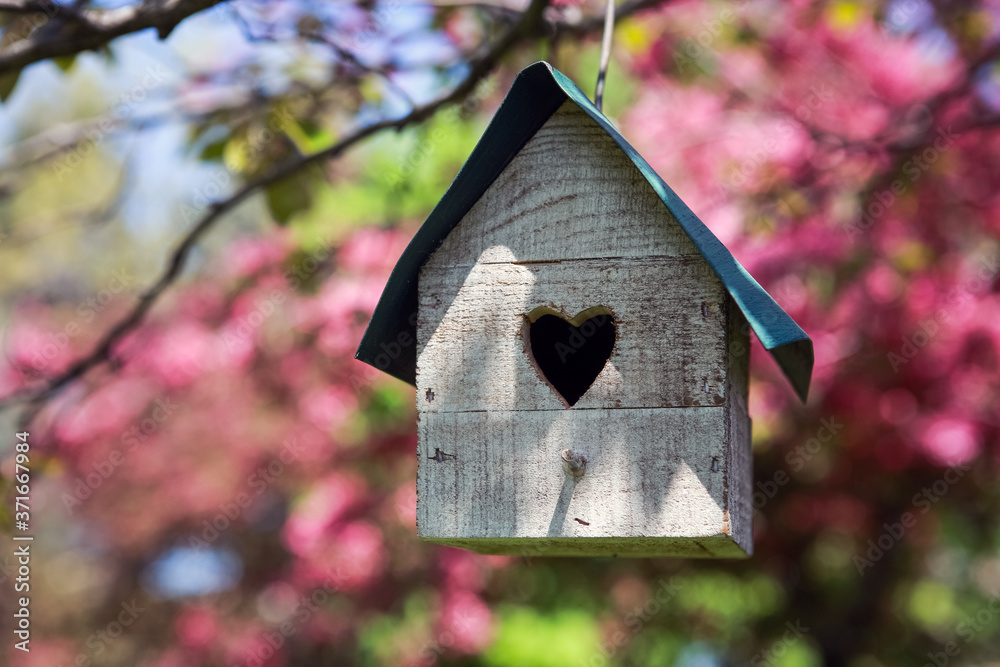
{"points": [[579, 342]]}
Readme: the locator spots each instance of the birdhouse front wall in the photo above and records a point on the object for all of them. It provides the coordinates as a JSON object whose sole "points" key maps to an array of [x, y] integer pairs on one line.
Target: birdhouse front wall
{"points": [[572, 225]]}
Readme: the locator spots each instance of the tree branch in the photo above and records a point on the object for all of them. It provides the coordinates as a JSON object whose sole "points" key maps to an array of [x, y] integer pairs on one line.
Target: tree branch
{"points": [[77, 31], [62, 31], [19, 7], [529, 25], [591, 24], [101, 353]]}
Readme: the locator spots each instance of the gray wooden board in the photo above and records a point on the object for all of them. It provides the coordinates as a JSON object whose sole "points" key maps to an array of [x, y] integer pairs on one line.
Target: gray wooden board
{"points": [[738, 428], [570, 193], [650, 479], [671, 348]]}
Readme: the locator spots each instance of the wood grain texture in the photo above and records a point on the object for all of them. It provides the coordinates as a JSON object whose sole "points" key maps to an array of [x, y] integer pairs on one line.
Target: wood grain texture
{"points": [[649, 477], [570, 193], [571, 224], [739, 489], [669, 312]]}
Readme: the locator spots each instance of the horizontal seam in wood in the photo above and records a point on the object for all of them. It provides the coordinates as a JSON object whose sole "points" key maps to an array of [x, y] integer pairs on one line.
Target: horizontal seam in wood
{"points": [[717, 406], [520, 262]]}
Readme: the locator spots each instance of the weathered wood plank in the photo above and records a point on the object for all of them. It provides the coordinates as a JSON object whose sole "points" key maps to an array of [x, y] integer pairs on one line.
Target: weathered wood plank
{"points": [[669, 312], [572, 224], [717, 546], [570, 193], [739, 483], [651, 473]]}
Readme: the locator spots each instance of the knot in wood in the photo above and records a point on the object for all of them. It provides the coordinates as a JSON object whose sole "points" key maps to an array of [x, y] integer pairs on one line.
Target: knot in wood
{"points": [[574, 463]]}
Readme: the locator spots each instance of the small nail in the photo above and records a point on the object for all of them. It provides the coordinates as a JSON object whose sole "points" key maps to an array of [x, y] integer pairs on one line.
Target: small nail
{"points": [[574, 464]]}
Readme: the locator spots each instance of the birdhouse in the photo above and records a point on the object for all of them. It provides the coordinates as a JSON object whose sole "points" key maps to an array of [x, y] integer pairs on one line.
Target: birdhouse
{"points": [[579, 342]]}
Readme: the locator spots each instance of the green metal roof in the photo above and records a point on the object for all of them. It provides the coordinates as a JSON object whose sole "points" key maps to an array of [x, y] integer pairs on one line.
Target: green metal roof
{"points": [[389, 342]]}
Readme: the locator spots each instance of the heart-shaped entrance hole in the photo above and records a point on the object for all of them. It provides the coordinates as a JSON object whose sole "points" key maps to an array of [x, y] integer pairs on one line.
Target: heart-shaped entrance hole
{"points": [[570, 353]]}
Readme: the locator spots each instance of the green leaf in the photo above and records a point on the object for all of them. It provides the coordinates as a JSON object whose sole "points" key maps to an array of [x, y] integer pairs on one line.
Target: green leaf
{"points": [[214, 150], [236, 153], [314, 129], [65, 63], [307, 135], [7, 83], [288, 197], [528, 638]]}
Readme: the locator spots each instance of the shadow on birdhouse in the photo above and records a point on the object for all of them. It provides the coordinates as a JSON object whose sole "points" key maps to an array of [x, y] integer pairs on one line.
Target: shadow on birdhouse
{"points": [[579, 343]]}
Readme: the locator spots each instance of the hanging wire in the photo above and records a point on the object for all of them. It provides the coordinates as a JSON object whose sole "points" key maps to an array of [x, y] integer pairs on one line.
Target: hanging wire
{"points": [[602, 72]]}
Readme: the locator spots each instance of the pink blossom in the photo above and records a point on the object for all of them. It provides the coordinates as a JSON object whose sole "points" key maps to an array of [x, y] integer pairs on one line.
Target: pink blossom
{"points": [[252, 648], [883, 283], [182, 353], [462, 570], [311, 444], [32, 347], [371, 250], [897, 406], [465, 624], [110, 410], [172, 657], [249, 255], [196, 627], [235, 346], [949, 441], [349, 558], [11, 379], [404, 502], [326, 503], [336, 340], [328, 407]]}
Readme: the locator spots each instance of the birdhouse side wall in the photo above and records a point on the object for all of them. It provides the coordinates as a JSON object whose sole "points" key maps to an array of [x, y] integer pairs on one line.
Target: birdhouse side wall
{"points": [[739, 475]]}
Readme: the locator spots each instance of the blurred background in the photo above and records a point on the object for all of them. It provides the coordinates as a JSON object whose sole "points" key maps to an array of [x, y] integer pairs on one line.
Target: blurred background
{"points": [[200, 204]]}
